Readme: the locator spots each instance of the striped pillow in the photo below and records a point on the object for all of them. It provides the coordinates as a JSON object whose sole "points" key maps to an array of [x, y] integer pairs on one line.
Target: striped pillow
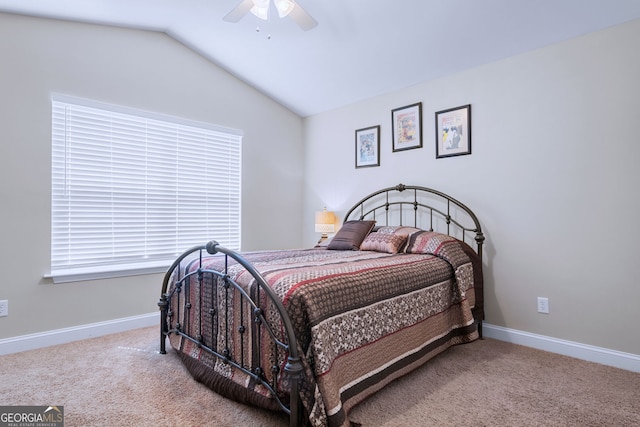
{"points": [[427, 242], [390, 243]]}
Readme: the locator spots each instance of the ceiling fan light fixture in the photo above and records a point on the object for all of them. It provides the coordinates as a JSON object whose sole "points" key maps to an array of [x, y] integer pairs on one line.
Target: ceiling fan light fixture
{"points": [[284, 7], [261, 9]]}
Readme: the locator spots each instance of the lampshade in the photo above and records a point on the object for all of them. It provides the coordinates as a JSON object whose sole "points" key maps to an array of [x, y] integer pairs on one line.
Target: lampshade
{"points": [[325, 222], [261, 9], [284, 7]]}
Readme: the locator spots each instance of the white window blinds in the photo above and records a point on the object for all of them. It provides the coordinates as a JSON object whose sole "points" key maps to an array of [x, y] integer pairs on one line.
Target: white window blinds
{"points": [[131, 189]]}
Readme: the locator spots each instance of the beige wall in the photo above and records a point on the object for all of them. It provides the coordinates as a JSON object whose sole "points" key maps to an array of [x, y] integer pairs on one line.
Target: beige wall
{"points": [[553, 178], [138, 69]]}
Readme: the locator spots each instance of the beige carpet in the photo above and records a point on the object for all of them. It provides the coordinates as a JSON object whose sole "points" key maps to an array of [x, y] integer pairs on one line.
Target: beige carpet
{"points": [[121, 380]]}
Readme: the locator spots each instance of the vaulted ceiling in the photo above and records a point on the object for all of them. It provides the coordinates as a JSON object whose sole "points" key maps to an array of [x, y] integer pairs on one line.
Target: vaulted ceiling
{"points": [[360, 48]]}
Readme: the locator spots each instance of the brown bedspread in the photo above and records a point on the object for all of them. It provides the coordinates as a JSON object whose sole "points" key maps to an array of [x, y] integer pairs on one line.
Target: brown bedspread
{"points": [[362, 320]]}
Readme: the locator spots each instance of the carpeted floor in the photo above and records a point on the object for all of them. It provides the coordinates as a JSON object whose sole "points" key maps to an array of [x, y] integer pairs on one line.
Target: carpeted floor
{"points": [[121, 379]]}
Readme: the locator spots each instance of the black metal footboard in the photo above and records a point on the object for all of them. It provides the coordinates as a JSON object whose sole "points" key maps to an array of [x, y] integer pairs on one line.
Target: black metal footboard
{"points": [[220, 339]]}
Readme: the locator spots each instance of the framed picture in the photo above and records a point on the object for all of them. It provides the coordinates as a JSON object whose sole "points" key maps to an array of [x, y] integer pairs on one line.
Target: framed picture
{"points": [[368, 147], [453, 132], [407, 127]]}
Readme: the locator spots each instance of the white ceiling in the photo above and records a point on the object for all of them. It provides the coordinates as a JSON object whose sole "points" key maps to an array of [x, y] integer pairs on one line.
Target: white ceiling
{"points": [[360, 49]]}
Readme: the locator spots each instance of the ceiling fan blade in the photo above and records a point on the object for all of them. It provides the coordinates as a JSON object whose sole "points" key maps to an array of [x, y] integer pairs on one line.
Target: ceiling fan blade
{"points": [[302, 18], [239, 11]]}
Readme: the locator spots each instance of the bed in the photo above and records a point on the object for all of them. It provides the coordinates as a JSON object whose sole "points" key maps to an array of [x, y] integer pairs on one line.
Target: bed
{"points": [[314, 331]]}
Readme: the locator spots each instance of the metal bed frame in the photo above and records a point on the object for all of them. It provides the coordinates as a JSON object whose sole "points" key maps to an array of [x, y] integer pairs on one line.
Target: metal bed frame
{"points": [[444, 213]]}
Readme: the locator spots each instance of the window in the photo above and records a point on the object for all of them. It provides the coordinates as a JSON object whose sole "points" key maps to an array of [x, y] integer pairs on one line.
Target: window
{"points": [[132, 189]]}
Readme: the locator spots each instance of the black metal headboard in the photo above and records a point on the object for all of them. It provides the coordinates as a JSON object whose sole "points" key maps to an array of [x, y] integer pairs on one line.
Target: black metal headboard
{"points": [[419, 207]]}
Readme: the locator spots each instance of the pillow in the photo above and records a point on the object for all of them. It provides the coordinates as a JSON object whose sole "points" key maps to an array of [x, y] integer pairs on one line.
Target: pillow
{"points": [[426, 242], [390, 243], [397, 229], [351, 235]]}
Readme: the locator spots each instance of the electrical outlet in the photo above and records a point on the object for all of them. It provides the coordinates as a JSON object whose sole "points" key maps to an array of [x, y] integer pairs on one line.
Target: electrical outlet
{"points": [[4, 308], [543, 305]]}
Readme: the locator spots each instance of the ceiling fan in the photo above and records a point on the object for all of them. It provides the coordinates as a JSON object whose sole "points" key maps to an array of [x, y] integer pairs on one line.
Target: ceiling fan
{"points": [[260, 8]]}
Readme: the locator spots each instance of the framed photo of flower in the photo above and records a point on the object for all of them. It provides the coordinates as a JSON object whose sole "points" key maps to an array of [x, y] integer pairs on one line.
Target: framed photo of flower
{"points": [[453, 132], [368, 147], [407, 127]]}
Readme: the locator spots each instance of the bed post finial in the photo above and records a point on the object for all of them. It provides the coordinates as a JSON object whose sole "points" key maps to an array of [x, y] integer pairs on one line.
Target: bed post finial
{"points": [[211, 247]]}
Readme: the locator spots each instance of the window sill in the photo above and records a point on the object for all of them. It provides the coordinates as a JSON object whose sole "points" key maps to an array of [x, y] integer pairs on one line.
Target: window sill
{"points": [[107, 272]]}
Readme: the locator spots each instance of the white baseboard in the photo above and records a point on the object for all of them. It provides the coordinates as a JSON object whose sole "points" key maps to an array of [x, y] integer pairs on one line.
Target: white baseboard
{"points": [[75, 333], [618, 359]]}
